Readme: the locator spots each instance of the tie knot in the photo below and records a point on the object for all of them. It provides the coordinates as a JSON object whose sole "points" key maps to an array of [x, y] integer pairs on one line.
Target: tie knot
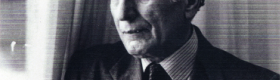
{"points": [[154, 71], [154, 66]]}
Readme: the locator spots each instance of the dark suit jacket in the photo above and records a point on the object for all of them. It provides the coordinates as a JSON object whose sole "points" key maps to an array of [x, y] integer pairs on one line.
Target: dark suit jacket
{"points": [[112, 62]]}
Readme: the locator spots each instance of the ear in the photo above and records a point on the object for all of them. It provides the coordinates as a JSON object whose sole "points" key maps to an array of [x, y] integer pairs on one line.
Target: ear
{"points": [[191, 8], [192, 4]]}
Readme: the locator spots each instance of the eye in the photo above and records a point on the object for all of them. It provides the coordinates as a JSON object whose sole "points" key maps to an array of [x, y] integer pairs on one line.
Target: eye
{"points": [[142, 1]]}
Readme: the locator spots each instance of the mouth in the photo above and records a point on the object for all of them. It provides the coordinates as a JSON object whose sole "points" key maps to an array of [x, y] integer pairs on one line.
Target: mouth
{"points": [[136, 31]]}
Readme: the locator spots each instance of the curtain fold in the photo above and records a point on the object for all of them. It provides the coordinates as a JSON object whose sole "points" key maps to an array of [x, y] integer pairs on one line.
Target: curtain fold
{"points": [[66, 28]]}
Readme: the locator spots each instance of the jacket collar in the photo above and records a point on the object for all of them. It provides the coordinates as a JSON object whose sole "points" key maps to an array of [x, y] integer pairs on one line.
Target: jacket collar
{"points": [[207, 61], [207, 64]]}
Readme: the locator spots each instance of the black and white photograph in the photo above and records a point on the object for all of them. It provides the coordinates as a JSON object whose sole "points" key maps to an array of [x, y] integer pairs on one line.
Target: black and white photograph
{"points": [[139, 40]]}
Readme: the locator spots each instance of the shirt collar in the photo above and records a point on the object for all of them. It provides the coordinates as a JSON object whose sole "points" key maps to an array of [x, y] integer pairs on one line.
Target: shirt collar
{"points": [[179, 65]]}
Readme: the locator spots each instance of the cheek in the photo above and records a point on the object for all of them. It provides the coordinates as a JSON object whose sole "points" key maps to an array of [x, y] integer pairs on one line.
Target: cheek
{"points": [[156, 18], [155, 14]]}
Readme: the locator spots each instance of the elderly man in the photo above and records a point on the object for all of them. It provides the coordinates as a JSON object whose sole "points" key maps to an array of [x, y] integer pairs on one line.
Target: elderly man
{"points": [[158, 42]]}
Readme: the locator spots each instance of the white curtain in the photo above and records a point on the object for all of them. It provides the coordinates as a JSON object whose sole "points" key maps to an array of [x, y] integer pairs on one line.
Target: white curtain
{"points": [[35, 36]]}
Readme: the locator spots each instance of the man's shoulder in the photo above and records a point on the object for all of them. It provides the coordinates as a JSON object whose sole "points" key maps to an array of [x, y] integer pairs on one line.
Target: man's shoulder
{"points": [[219, 62], [234, 68]]}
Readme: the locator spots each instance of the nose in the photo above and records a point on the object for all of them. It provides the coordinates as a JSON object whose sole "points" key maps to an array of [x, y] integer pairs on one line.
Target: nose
{"points": [[126, 10]]}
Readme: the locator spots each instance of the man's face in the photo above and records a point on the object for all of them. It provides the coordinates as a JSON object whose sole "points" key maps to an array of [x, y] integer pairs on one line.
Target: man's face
{"points": [[146, 26]]}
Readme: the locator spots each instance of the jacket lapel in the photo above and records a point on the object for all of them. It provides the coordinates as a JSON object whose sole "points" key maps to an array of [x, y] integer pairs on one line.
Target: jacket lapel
{"points": [[127, 68]]}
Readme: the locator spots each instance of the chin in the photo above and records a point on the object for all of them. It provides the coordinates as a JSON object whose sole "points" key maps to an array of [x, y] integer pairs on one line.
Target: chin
{"points": [[137, 51], [138, 47], [132, 51], [137, 56]]}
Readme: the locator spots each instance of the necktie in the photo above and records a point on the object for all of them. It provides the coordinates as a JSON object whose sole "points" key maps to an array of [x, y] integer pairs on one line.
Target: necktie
{"points": [[155, 72]]}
